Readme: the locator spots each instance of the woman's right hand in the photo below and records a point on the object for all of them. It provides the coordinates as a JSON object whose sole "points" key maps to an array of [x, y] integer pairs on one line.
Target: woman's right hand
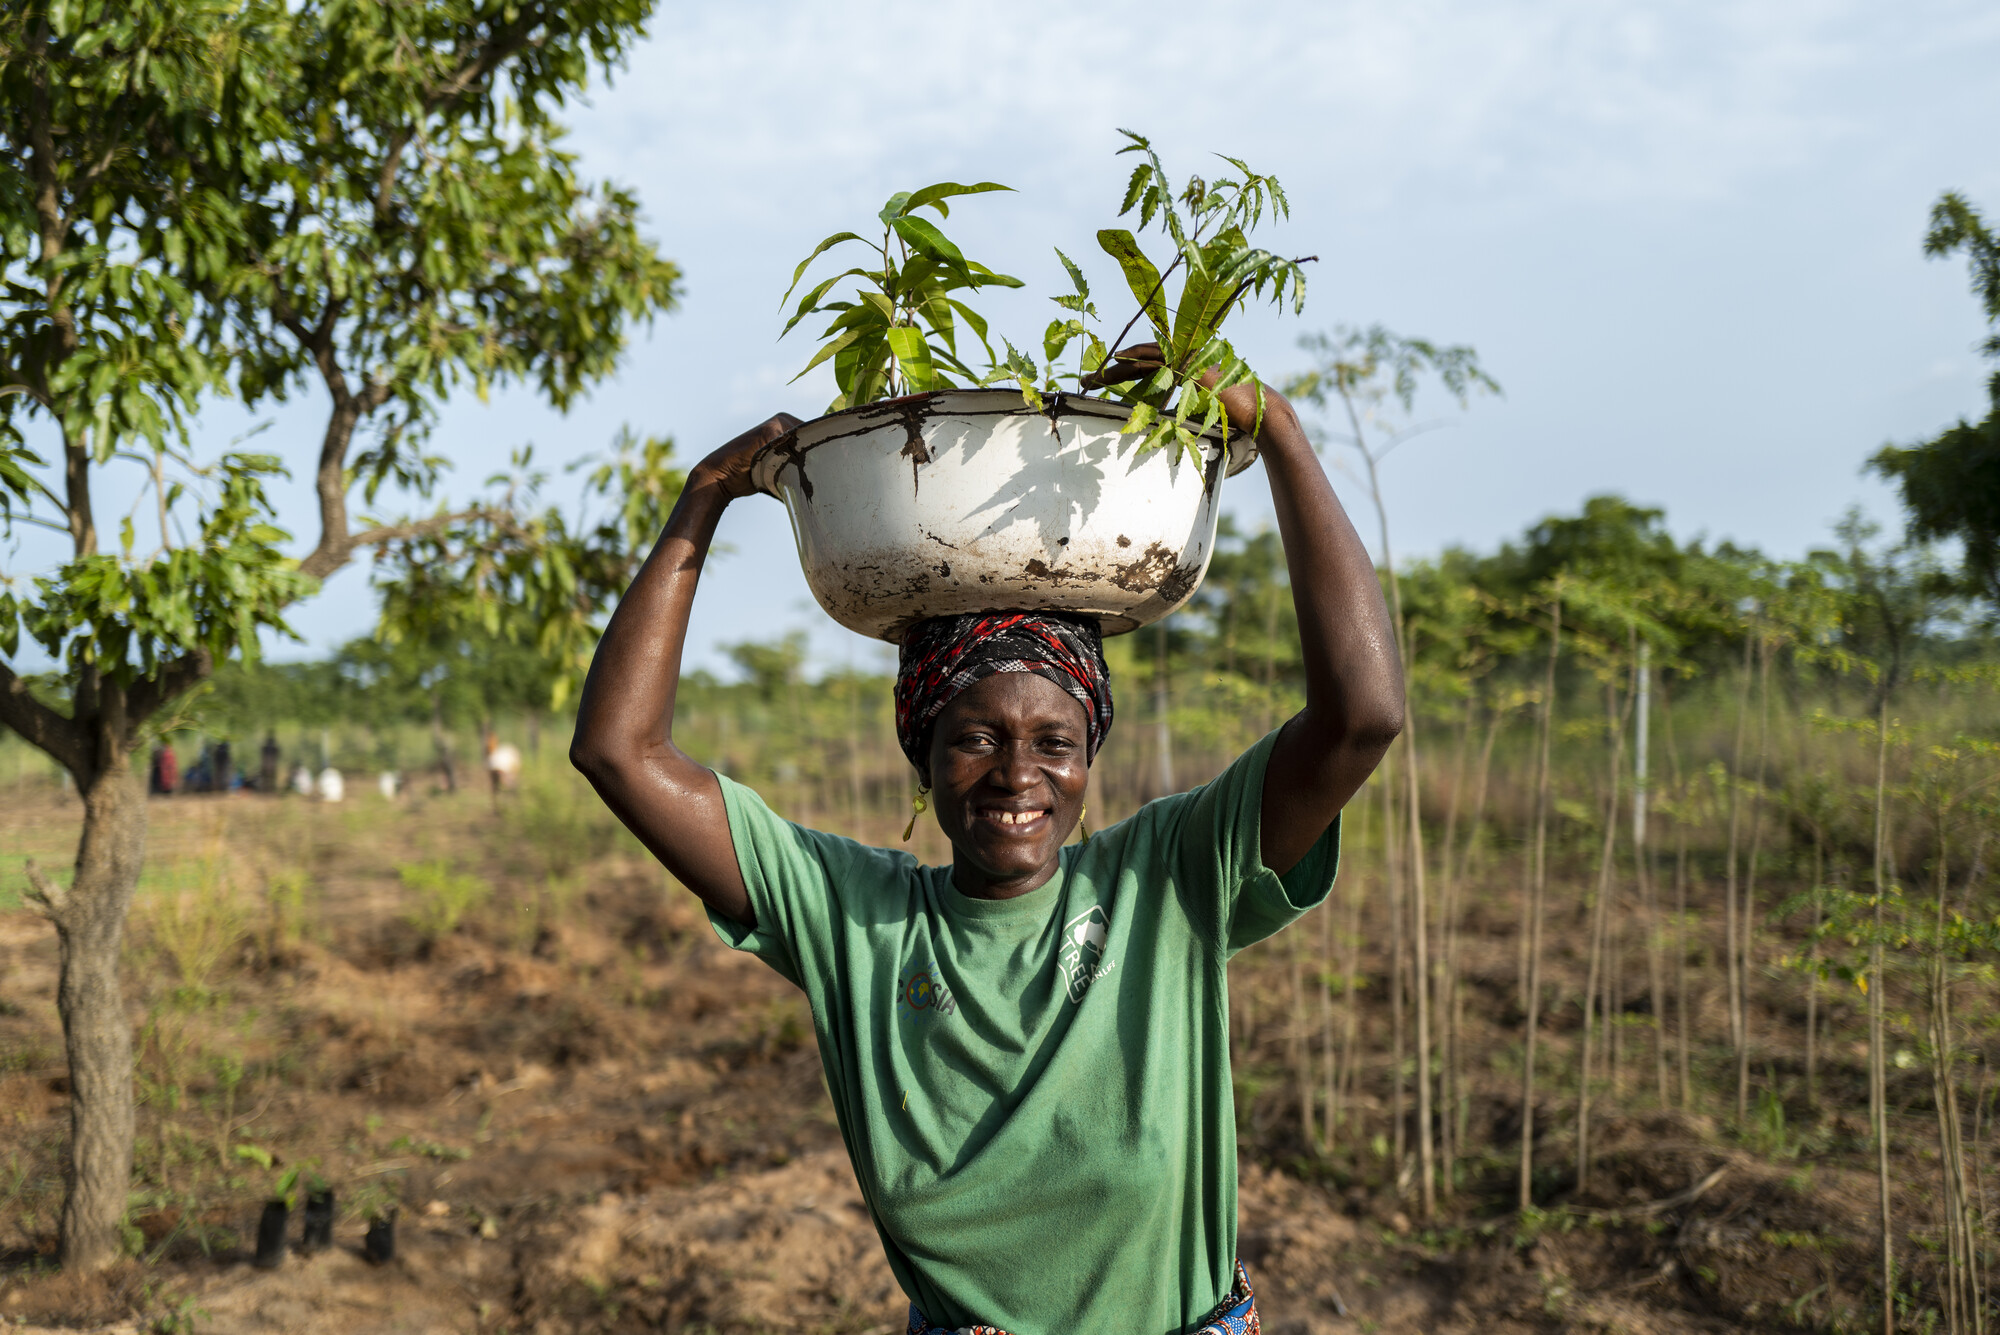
{"points": [[729, 466]]}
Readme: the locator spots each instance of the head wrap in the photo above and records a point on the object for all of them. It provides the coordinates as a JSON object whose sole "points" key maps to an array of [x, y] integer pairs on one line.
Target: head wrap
{"points": [[944, 655]]}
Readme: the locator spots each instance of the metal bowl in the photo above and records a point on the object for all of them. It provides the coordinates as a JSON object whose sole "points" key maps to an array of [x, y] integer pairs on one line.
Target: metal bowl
{"points": [[972, 500]]}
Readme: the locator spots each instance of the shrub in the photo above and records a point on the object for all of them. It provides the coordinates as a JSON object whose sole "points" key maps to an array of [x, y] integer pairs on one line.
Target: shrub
{"points": [[442, 897]]}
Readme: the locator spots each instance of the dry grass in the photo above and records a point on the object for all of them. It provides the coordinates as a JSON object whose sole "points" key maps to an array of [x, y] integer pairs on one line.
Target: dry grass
{"points": [[593, 1117]]}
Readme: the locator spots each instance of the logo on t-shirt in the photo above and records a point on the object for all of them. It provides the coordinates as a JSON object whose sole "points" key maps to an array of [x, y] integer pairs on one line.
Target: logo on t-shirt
{"points": [[921, 990], [1081, 954]]}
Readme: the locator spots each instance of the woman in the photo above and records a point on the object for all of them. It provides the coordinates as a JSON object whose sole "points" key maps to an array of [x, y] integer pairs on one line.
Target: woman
{"points": [[1027, 1050]]}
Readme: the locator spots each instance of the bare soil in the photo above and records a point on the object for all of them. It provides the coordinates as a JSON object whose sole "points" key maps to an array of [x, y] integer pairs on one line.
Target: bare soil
{"points": [[588, 1115]]}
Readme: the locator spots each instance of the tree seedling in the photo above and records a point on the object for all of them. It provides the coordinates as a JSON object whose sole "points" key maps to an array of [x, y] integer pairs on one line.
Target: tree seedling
{"points": [[896, 332]]}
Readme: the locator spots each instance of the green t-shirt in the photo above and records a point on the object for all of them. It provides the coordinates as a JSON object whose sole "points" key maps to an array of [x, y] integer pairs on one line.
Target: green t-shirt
{"points": [[1035, 1091]]}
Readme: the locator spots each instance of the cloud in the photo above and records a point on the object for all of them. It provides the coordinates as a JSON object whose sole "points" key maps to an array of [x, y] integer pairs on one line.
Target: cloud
{"points": [[756, 105]]}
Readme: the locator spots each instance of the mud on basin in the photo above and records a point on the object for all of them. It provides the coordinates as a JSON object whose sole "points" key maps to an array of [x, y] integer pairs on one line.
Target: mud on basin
{"points": [[971, 500]]}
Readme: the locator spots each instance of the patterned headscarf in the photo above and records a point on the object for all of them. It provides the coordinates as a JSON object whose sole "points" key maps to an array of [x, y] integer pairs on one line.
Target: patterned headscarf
{"points": [[944, 655]]}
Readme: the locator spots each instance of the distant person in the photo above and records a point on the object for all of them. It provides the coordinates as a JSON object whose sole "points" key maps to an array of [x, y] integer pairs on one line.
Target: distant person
{"points": [[302, 781], [1027, 1048], [200, 777], [503, 766], [222, 778], [332, 787], [166, 775], [267, 764], [389, 783]]}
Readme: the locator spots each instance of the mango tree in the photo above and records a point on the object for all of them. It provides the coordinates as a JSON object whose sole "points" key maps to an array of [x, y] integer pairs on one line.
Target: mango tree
{"points": [[203, 199]]}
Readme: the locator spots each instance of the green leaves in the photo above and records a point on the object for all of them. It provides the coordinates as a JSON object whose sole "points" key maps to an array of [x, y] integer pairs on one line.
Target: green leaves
{"points": [[934, 196], [251, 196], [125, 618], [1142, 276], [898, 333], [539, 578], [1206, 223], [806, 263]]}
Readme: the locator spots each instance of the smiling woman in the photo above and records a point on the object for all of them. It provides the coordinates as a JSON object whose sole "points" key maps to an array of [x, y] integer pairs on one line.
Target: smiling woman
{"points": [[1027, 1049]]}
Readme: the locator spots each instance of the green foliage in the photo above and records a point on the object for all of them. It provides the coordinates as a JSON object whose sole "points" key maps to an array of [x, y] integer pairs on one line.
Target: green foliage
{"points": [[197, 925], [898, 332], [1207, 224], [429, 229], [567, 825], [1951, 489], [1363, 369], [1951, 483], [181, 1316], [772, 669], [442, 897], [127, 618], [429, 1149], [1768, 1134], [535, 583], [201, 201]]}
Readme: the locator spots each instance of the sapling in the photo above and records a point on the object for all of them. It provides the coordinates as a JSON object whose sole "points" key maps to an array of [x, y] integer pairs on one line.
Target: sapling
{"points": [[896, 331], [1537, 900]]}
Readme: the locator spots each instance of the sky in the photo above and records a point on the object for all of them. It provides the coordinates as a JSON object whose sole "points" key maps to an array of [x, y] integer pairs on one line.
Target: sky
{"points": [[1685, 238]]}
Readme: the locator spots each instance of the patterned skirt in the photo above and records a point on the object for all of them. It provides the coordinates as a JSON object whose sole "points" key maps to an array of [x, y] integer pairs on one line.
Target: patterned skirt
{"points": [[1236, 1314]]}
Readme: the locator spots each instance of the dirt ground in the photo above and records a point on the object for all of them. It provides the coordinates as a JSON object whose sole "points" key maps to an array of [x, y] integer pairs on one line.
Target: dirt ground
{"points": [[587, 1115]]}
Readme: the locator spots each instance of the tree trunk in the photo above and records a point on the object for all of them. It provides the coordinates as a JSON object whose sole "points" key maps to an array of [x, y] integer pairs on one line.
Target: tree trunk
{"points": [[1537, 898], [1655, 981], [1642, 866], [1420, 974], [1682, 1019], [1600, 931], [1392, 874], [1460, 1104], [1878, 1093], [97, 1034], [1747, 937], [1298, 1045], [1730, 926], [1812, 970], [1340, 1092], [1331, 1107]]}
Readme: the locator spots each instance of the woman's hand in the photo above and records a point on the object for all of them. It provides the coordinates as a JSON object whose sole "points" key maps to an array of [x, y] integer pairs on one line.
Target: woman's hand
{"points": [[1239, 402], [729, 466]]}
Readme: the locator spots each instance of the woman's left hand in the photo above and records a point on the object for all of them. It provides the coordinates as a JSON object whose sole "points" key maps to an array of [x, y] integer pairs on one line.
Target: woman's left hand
{"points": [[1239, 402]]}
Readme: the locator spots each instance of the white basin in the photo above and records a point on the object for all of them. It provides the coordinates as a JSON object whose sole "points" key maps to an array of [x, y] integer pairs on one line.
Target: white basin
{"points": [[972, 501]]}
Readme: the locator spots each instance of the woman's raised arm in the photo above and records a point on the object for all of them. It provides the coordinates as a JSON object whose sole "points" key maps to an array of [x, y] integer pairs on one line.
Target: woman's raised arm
{"points": [[624, 741], [1354, 677]]}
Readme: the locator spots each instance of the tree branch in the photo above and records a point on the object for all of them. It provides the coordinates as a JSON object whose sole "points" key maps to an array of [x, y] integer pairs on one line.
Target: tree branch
{"points": [[385, 179], [489, 59], [44, 896], [62, 739], [325, 560], [176, 678], [473, 72]]}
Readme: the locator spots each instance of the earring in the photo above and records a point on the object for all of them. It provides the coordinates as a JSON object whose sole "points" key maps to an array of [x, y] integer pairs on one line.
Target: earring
{"points": [[918, 806], [1083, 822]]}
